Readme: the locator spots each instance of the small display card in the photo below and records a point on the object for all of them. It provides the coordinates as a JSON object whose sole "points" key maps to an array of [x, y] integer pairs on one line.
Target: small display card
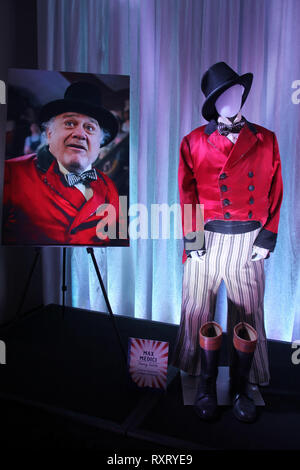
{"points": [[148, 362]]}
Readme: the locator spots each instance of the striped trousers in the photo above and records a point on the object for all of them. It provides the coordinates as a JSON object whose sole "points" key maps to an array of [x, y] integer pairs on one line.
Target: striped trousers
{"points": [[227, 258]]}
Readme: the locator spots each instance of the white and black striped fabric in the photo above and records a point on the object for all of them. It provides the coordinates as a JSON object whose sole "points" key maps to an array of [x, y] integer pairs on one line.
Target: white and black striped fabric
{"points": [[228, 258]]}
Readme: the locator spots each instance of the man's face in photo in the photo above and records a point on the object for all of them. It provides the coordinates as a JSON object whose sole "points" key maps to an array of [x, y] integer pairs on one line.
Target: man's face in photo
{"points": [[74, 140]]}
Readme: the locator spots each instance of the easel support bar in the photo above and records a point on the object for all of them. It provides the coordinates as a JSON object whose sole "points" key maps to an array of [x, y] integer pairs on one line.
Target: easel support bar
{"points": [[91, 252]]}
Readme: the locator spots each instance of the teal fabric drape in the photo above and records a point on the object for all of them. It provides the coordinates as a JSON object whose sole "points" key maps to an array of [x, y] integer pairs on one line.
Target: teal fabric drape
{"points": [[166, 46]]}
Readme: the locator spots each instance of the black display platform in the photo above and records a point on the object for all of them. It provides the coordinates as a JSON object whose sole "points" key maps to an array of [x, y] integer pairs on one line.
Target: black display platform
{"points": [[69, 363]]}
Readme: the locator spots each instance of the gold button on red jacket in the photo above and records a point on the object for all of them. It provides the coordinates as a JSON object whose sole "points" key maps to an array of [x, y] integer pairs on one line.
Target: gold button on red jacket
{"points": [[239, 182]]}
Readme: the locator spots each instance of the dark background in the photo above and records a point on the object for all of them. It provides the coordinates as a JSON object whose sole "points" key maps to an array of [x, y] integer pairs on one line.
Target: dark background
{"points": [[280, 420], [18, 39]]}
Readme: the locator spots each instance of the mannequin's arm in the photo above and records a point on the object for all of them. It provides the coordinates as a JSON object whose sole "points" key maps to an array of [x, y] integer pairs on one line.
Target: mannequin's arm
{"points": [[192, 220], [268, 235]]}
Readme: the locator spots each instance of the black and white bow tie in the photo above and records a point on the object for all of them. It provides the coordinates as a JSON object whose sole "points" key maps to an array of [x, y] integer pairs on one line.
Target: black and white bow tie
{"points": [[235, 128], [85, 177]]}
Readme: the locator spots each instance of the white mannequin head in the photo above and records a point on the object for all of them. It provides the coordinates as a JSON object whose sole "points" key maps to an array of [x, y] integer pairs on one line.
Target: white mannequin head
{"points": [[229, 103]]}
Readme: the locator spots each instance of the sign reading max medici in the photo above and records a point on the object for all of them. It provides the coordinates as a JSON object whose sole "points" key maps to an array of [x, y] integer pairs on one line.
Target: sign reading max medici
{"points": [[148, 362]]}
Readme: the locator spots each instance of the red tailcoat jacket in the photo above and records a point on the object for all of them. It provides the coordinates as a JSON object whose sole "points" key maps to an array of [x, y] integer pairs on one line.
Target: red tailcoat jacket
{"points": [[41, 209], [239, 182]]}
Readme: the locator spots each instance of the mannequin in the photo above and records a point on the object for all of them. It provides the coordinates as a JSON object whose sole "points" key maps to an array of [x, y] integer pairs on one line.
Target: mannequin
{"points": [[228, 105], [229, 102], [221, 167]]}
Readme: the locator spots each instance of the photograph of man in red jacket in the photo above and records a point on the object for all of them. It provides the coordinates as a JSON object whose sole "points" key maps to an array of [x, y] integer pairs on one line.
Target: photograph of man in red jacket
{"points": [[53, 197]]}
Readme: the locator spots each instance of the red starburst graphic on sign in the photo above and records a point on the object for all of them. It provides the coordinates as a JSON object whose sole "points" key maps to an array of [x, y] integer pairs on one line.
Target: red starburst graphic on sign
{"points": [[148, 362]]}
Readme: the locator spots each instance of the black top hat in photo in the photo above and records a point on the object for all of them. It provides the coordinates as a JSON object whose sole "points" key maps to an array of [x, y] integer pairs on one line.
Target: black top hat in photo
{"points": [[84, 98], [218, 78]]}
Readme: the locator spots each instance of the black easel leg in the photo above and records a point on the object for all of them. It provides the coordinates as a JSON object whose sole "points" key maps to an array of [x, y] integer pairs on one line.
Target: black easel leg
{"points": [[37, 254], [91, 252], [64, 286]]}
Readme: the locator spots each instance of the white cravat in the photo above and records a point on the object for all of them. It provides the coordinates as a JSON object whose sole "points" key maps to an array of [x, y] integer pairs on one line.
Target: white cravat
{"points": [[87, 192], [232, 137]]}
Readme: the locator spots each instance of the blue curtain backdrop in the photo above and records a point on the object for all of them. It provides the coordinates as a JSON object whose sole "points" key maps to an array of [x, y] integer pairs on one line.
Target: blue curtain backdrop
{"points": [[166, 46]]}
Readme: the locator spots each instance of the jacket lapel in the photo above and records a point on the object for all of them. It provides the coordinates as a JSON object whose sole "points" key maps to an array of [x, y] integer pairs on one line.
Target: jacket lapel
{"points": [[54, 179], [220, 142], [246, 140], [90, 207], [72, 196]]}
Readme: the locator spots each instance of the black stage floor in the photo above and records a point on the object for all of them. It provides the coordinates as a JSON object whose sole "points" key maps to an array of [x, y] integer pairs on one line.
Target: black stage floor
{"points": [[65, 384]]}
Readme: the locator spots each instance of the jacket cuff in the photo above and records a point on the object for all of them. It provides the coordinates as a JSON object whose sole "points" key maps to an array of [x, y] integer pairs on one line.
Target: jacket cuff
{"points": [[266, 239], [194, 241]]}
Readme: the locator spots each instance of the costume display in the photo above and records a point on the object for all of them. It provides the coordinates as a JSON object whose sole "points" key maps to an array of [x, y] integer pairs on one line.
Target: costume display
{"points": [[46, 202], [232, 167]]}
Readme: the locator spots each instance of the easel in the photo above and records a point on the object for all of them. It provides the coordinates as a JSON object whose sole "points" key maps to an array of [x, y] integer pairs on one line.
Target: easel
{"points": [[90, 251]]}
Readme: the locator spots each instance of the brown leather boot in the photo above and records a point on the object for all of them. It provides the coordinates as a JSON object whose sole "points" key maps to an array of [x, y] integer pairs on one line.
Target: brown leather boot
{"points": [[210, 337], [244, 341]]}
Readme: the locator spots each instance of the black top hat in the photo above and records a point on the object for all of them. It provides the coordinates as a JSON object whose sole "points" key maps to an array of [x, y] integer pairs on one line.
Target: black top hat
{"points": [[215, 81], [83, 98]]}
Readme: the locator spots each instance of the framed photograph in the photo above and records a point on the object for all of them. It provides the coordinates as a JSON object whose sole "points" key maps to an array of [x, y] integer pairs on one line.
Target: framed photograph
{"points": [[66, 178]]}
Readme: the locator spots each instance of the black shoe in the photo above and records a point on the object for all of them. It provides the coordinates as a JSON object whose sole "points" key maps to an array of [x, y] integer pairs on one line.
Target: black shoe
{"points": [[206, 405], [244, 408], [244, 340]]}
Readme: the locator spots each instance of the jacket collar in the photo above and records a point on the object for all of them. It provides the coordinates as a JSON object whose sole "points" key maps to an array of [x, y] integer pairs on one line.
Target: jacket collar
{"points": [[55, 180], [44, 158], [246, 140]]}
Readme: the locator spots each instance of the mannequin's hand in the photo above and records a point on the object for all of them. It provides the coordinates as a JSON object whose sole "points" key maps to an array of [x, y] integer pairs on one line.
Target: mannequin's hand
{"points": [[197, 254], [259, 253]]}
